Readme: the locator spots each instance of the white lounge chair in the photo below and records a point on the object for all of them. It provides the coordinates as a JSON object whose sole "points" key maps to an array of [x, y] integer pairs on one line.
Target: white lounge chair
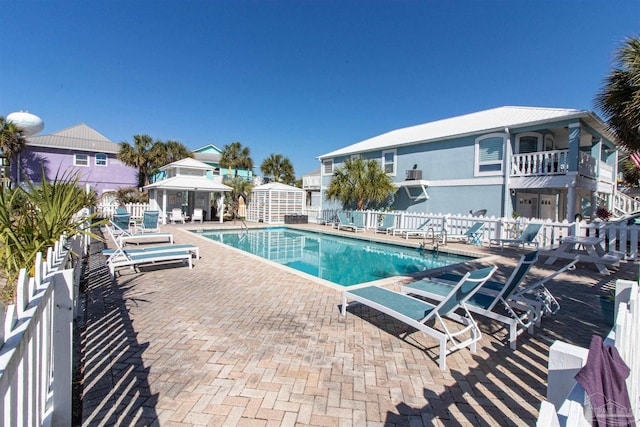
{"points": [[121, 257], [387, 225], [149, 222], [417, 313], [472, 235], [345, 223], [520, 316], [422, 230], [528, 237], [124, 236]]}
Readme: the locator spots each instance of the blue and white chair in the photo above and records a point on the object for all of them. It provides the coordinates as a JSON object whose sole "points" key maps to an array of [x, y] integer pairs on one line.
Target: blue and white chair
{"points": [[418, 313]]}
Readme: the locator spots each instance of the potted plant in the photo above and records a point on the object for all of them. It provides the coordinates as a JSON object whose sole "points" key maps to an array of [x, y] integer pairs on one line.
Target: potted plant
{"points": [[608, 305]]}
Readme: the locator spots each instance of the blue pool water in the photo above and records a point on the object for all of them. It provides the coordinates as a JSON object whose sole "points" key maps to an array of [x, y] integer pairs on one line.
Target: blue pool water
{"points": [[340, 260]]}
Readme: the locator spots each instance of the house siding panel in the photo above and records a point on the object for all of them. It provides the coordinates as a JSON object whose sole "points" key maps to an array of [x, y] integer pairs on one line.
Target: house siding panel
{"points": [[60, 161]]}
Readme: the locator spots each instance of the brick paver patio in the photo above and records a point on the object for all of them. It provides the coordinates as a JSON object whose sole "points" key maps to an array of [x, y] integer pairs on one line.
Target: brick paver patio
{"points": [[240, 342]]}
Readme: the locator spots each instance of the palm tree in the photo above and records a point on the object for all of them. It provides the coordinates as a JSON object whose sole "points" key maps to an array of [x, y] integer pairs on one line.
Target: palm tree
{"points": [[240, 188], [163, 153], [279, 168], [630, 173], [235, 156], [11, 143], [619, 99], [137, 156], [360, 182]]}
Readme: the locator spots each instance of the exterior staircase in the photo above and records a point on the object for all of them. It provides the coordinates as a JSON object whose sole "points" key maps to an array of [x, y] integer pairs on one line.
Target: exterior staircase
{"points": [[623, 204]]}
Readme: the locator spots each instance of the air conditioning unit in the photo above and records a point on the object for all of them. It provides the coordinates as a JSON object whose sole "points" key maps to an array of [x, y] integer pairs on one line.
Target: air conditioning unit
{"points": [[414, 174]]}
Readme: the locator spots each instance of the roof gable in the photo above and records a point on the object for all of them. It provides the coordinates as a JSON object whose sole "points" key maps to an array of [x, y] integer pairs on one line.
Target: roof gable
{"points": [[208, 149], [80, 137], [81, 131]]}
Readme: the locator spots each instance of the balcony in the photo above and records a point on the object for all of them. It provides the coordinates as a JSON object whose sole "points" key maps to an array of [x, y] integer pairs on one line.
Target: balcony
{"points": [[546, 163], [540, 163]]}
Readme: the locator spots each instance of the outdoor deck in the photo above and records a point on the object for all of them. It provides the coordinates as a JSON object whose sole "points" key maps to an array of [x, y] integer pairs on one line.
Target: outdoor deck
{"points": [[238, 342]]}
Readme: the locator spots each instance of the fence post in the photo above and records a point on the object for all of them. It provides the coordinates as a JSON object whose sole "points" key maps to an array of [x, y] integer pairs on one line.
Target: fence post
{"points": [[62, 347], [565, 360]]}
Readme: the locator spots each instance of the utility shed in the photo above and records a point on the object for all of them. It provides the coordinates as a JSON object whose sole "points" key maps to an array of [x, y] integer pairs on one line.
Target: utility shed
{"points": [[271, 202]]}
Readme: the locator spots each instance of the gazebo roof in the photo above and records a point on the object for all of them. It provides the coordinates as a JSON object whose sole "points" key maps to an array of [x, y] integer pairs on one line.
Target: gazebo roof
{"points": [[276, 186], [187, 162], [189, 183]]}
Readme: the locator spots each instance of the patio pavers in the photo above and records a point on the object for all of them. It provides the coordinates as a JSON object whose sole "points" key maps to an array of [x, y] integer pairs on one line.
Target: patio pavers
{"points": [[240, 342]]}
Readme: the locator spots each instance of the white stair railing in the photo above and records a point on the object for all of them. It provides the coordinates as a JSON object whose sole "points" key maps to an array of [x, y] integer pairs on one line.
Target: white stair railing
{"points": [[623, 204]]}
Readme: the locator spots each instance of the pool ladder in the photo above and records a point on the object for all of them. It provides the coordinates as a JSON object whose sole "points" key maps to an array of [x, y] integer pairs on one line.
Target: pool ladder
{"points": [[244, 230], [435, 240]]}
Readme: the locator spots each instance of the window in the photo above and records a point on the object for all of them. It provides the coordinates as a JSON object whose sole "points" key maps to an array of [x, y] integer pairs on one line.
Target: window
{"points": [[549, 143], [327, 167], [489, 154], [101, 159], [80, 160], [389, 162], [528, 143]]}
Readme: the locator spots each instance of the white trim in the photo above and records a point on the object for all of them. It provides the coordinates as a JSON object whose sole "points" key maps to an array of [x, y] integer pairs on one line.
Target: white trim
{"points": [[476, 162], [394, 162], [75, 160], [536, 135], [473, 182]]}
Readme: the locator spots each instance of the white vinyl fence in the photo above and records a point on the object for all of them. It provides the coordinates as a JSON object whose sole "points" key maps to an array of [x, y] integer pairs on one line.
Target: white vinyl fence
{"points": [[36, 341], [136, 210], [566, 403], [618, 238]]}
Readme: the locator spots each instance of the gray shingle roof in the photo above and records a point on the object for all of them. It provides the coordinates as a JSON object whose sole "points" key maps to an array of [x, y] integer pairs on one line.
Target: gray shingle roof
{"points": [[80, 137]]}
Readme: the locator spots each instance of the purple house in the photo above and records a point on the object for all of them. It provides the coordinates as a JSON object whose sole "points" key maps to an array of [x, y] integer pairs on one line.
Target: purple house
{"points": [[78, 149]]}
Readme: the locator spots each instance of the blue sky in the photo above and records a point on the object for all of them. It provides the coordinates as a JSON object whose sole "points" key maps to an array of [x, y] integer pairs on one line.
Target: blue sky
{"points": [[298, 78]]}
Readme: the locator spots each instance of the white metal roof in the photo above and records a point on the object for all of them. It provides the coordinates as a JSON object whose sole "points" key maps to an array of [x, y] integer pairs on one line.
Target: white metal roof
{"points": [[189, 163], [276, 186], [189, 183], [492, 120]]}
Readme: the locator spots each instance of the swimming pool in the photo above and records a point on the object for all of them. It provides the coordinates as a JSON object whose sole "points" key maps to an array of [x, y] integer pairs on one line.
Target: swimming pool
{"points": [[338, 259]]}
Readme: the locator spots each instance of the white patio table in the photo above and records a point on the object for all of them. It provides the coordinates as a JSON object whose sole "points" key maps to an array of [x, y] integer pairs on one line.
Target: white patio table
{"points": [[586, 249]]}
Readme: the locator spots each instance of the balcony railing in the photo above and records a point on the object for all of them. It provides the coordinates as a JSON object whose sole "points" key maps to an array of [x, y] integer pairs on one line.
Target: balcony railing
{"points": [[540, 163]]}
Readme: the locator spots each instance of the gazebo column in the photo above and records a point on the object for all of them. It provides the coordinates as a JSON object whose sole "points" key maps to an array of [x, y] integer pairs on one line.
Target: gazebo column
{"points": [[164, 207], [221, 208]]}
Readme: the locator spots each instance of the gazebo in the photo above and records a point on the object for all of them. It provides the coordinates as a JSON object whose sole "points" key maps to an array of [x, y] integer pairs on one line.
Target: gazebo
{"points": [[270, 203], [184, 184]]}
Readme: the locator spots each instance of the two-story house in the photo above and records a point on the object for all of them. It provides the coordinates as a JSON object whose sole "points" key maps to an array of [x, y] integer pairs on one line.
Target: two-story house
{"points": [[538, 162], [77, 150], [211, 155]]}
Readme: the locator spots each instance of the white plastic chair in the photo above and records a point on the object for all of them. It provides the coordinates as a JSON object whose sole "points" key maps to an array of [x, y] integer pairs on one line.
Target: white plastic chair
{"points": [[198, 215]]}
